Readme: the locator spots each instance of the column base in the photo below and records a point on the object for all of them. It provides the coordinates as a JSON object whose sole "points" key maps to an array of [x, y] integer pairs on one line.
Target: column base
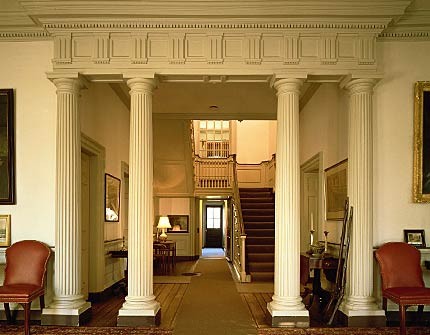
{"points": [[361, 318], [136, 318], [75, 316], [287, 318]]}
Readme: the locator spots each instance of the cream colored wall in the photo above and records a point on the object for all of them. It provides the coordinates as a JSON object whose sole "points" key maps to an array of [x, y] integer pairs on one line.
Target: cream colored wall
{"points": [[324, 128], [106, 120], [254, 141], [177, 206], [403, 63], [23, 67], [173, 166]]}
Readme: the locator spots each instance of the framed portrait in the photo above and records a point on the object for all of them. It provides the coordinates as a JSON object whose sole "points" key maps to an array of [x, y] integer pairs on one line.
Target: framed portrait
{"points": [[7, 147], [415, 237], [336, 190], [4, 230], [112, 198], [179, 223], [421, 182]]}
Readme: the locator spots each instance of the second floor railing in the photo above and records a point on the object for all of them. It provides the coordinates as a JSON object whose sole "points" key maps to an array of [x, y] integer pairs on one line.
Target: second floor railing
{"points": [[213, 173]]}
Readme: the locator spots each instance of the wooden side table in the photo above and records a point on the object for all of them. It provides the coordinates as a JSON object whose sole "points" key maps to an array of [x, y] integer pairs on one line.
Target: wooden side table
{"points": [[171, 252]]}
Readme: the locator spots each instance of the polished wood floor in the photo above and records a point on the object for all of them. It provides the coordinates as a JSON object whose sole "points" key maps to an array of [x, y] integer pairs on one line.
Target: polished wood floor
{"points": [[104, 314]]}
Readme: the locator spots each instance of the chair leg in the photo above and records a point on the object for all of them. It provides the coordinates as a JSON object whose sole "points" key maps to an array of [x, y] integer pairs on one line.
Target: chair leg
{"points": [[7, 312], [42, 303], [402, 310], [27, 318], [384, 304], [420, 311]]}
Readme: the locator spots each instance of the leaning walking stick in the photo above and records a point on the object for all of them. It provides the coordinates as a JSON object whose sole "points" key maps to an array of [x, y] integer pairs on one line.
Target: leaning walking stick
{"points": [[339, 271], [341, 290]]}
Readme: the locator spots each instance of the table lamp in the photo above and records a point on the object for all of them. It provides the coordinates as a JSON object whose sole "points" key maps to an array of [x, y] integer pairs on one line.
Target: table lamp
{"points": [[163, 224]]}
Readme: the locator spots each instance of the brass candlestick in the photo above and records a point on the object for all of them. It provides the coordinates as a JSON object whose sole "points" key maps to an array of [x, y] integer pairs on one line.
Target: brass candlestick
{"points": [[325, 241]]}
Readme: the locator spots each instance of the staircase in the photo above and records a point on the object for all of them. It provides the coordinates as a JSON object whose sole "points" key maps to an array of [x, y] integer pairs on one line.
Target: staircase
{"points": [[258, 212]]}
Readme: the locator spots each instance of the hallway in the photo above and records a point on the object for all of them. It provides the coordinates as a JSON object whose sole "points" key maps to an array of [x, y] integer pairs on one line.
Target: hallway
{"points": [[212, 304]]}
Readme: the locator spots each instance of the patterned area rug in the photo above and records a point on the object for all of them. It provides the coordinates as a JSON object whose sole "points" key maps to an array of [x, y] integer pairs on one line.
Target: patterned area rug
{"points": [[50, 330], [341, 331]]}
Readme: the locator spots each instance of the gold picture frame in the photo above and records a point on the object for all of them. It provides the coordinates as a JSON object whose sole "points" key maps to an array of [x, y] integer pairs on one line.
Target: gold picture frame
{"points": [[336, 190], [4, 230], [421, 173]]}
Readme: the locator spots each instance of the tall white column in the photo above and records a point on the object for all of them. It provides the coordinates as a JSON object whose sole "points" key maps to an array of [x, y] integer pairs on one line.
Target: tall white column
{"points": [[140, 306], [359, 300], [68, 302], [286, 307]]}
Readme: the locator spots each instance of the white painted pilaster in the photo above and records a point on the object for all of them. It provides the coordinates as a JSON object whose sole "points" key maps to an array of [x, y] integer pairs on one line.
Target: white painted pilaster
{"points": [[68, 300], [359, 300], [286, 307], [140, 307]]}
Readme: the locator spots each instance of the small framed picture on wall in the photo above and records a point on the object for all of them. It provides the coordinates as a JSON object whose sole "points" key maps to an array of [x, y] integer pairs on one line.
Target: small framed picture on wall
{"points": [[415, 237]]}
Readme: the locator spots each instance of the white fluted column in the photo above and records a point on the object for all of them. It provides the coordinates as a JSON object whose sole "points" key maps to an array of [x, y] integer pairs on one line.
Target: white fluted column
{"points": [[140, 307], [359, 300], [286, 307], [68, 300]]}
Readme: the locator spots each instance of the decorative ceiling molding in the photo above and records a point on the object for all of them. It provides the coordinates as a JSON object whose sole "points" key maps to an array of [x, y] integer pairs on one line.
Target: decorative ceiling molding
{"points": [[316, 23], [243, 8], [29, 34]]}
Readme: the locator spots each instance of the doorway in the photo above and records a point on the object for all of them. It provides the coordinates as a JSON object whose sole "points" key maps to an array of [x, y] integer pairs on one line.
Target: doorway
{"points": [[213, 226], [311, 188]]}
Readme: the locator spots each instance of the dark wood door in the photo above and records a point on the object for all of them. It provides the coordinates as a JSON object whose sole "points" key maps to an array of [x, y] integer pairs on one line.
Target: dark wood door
{"points": [[213, 227]]}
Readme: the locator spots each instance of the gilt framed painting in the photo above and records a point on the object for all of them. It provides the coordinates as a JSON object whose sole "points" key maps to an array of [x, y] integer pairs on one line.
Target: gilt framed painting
{"points": [[7, 147], [421, 179]]}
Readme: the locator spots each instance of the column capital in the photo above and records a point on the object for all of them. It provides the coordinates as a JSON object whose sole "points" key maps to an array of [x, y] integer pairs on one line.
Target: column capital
{"points": [[360, 85], [143, 85], [69, 85], [288, 85]]}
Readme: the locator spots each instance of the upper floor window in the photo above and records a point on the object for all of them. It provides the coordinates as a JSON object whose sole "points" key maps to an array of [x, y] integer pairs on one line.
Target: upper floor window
{"points": [[214, 139]]}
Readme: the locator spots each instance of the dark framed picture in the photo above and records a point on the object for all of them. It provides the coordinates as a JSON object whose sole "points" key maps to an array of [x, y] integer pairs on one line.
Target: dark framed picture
{"points": [[421, 182], [7, 147], [112, 198], [415, 237], [179, 223], [336, 190]]}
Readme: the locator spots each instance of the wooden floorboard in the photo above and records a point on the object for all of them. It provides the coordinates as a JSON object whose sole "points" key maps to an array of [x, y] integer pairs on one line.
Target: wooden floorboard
{"points": [[255, 308], [104, 314]]}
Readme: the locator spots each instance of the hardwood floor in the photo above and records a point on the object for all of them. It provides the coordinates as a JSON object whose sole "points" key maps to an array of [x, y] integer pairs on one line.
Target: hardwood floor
{"points": [[104, 314]]}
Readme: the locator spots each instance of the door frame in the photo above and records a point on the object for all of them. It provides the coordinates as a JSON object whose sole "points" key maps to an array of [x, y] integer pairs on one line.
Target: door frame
{"points": [[221, 228], [96, 267], [314, 164]]}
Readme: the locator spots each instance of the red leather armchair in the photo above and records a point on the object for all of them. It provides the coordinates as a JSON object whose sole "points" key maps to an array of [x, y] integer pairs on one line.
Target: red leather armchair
{"points": [[24, 280], [402, 278]]}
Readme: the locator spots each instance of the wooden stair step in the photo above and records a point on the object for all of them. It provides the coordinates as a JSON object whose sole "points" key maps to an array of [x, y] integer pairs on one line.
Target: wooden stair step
{"points": [[260, 232], [255, 195], [256, 201], [261, 266], [258, 257], [254, 248], [262, 276], [257, 205], [255, 189], [258, 211], [258, 218], [260, 240], [259, 225]]}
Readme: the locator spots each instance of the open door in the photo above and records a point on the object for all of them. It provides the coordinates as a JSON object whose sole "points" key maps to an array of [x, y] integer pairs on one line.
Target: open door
{"points": [[213, 227]]}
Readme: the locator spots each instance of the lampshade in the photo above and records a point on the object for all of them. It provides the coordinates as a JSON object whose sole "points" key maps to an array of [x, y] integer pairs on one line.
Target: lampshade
{"points": [[164, 222]]}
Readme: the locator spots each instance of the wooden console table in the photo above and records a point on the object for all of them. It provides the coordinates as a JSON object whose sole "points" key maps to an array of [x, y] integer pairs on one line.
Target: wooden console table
{"points": [[309, 262]]}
